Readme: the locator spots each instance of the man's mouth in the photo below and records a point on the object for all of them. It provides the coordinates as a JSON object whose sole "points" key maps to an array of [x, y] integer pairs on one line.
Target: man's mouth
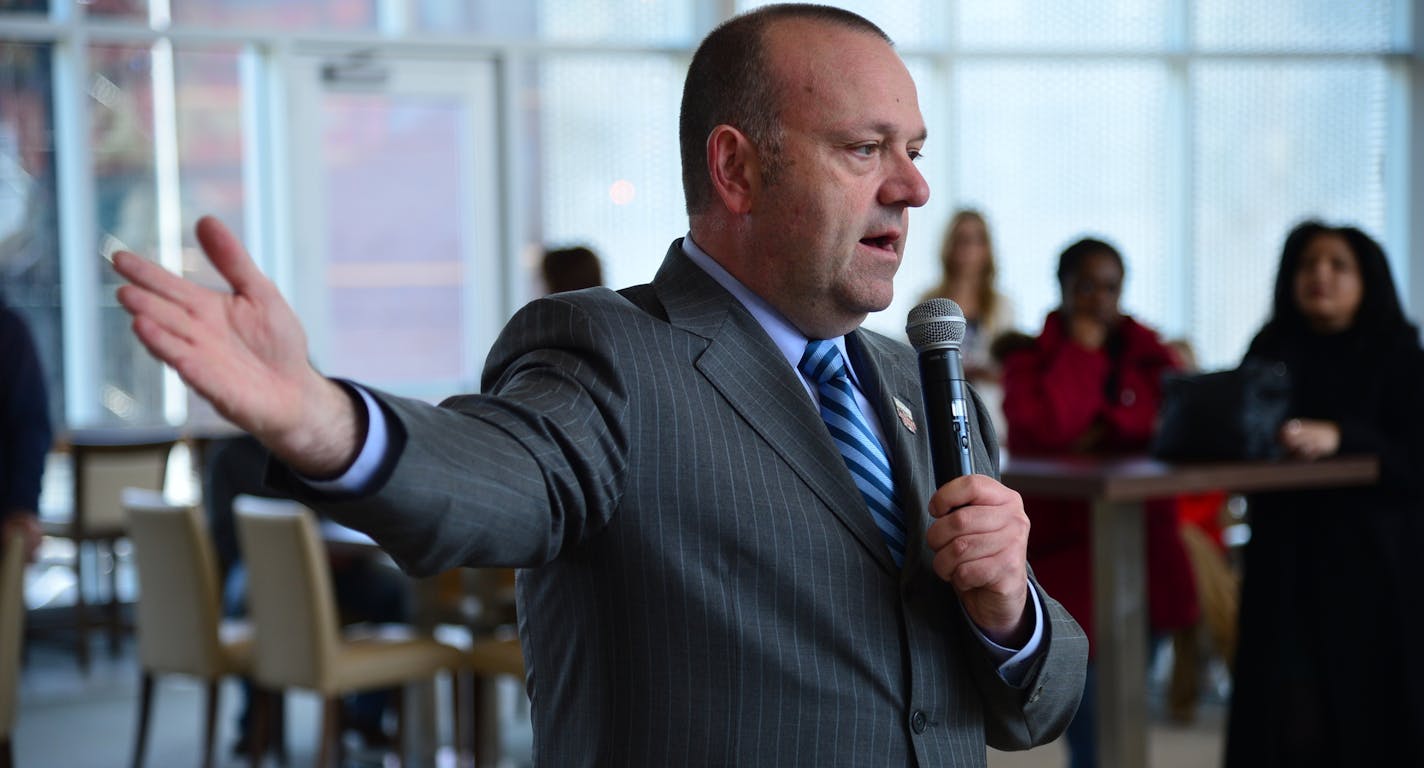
{"points": [[882, 242]]}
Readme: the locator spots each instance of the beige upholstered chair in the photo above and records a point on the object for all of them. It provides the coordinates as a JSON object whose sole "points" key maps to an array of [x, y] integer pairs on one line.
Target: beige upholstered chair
{"points": [[104, 462], [12, 617], [299, 643], [180, 625]]}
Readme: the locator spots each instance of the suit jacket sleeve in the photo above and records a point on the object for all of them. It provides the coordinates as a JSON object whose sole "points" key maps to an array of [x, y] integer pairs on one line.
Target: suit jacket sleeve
{"points": [[1021, 717], [509, 479]]}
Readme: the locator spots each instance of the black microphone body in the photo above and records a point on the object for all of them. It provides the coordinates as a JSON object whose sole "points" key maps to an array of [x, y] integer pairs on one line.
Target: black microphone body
{"points": [[946, 410], [936, 328]]}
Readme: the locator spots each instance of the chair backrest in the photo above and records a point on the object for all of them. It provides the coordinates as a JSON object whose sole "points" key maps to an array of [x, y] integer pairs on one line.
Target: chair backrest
{"points": [[12, 617], [289, 593], [179, 603], [104, 466]]}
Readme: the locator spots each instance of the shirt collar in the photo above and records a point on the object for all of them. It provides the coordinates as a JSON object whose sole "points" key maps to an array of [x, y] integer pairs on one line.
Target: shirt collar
{"points": [[786, 336]]}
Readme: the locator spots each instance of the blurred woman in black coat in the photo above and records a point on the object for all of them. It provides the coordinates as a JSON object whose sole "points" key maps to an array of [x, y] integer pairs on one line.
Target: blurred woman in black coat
{"points": [[1328, 671]]}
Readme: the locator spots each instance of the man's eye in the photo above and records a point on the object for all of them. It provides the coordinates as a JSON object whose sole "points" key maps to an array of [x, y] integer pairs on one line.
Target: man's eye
{"points": [[866, 150], [915, 155]]}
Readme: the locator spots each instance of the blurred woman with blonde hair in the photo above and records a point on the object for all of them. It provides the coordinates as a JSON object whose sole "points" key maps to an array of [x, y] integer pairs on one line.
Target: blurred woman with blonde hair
{"points": [[968, 274]]}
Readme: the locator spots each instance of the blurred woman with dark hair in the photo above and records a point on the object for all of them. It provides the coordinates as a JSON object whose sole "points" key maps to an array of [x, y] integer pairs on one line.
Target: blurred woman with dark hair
{"points": [[1091, 384], [1328, 668], [571, 269]]}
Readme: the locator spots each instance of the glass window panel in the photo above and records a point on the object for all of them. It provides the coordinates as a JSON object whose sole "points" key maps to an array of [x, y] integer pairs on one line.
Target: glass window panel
{"points": [[494, 18], [1294, 25], [1056, 151], [29, 235], [611, 178], [132, 10], [1056, 25], [209, 129], [121, 134], [618, 21], [911, 24], [394, 270], [1276, 143], [24, 6], [280, 14]]}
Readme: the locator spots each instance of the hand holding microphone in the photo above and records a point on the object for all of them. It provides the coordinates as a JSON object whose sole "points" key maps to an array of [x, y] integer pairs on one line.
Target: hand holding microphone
{"points": [[982, 548]]}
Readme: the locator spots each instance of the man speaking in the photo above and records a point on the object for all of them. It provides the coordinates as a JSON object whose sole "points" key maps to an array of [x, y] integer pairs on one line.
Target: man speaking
{"points": [[733, 549]]}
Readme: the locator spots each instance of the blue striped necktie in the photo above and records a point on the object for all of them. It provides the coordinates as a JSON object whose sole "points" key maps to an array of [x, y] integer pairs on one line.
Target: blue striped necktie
{"points": [[869, 466]]}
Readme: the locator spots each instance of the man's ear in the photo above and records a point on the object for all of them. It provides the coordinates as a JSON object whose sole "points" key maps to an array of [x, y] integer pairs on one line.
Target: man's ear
{"points": [[735, 168]]}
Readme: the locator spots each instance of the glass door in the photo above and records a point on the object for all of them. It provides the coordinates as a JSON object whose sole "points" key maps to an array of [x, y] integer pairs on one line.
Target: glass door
{"points": [[395, 270]]}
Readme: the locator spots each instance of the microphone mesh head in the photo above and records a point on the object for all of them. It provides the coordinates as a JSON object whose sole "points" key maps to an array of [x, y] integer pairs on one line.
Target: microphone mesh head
{"points": [[935, 324]]}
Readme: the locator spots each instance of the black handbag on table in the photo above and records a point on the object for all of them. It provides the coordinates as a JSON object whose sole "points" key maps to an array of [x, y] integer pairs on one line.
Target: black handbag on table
{"points": [[1224, 415]]}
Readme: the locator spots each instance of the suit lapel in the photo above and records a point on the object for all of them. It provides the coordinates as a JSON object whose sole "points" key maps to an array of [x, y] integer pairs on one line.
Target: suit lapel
{"points": [[749, 371]]}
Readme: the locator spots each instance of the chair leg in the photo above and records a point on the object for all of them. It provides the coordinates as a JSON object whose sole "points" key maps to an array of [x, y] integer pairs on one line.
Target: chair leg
{"points": [[81, 608], [262, 711], [486, 754], [112, 611], [343, 723], [279, 727], [7, 753], [458, 731], [145, 701], [398, 704], [330, 731], [210, 726]]}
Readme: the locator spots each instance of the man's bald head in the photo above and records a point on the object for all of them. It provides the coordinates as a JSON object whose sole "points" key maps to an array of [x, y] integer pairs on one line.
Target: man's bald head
{"points": [[732, 82]]}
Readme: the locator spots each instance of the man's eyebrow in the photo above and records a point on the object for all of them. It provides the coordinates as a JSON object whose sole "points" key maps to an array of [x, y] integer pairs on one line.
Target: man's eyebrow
{"points": [[849, 134], [889, 129]]}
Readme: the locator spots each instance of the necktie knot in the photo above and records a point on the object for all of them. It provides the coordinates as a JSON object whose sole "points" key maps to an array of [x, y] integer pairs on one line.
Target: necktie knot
{"points": [[822, 361]]}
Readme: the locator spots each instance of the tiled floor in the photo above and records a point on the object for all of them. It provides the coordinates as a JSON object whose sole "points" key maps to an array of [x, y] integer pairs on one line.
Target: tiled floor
{"points": [[68, 720]]}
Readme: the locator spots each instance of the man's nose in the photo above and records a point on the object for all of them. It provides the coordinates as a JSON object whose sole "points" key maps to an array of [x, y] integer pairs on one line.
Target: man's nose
{"points": [[905, 185]]}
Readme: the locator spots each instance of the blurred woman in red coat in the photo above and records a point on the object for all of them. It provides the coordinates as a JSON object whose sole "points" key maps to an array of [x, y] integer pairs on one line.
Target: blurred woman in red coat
{"points": [[1091, 384]]}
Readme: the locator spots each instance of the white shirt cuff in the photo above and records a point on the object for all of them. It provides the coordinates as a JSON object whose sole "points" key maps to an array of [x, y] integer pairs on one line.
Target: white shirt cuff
{"points": [[362, 471], [1013, 665]]}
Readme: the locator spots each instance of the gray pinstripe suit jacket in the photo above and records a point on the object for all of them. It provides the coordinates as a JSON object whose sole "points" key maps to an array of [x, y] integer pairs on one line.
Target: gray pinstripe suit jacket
{"points": [[703, 583]]}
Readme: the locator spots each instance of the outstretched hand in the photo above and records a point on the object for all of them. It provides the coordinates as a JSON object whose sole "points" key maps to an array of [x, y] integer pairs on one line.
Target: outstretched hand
{"points": [[980, 541], [244, 351]]}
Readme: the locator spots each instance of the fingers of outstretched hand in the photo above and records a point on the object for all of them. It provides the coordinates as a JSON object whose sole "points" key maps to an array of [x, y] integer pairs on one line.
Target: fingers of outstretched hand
{"points": [[167, 314], [164, 344], [226, 253], [155, 279]]}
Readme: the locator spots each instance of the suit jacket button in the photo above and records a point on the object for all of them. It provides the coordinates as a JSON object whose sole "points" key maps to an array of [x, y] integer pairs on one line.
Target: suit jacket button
{"points": [[917, 721]]}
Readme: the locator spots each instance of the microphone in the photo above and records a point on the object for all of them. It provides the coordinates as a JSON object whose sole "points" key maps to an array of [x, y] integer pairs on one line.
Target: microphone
{"points": [[936, 329]]}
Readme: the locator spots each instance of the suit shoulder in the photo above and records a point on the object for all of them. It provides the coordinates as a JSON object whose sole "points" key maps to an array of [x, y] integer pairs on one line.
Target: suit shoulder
{"points": [[634, 302]]}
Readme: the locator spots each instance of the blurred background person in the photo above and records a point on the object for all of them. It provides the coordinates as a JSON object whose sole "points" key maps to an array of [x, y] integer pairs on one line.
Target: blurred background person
{"points": [[1328, 669], [25, 434], [570, 269], [968, 274], [1091, 384]]}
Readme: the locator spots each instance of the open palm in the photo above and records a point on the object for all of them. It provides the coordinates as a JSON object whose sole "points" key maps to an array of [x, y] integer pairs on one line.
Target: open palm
{"points": [[244, 351]]}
